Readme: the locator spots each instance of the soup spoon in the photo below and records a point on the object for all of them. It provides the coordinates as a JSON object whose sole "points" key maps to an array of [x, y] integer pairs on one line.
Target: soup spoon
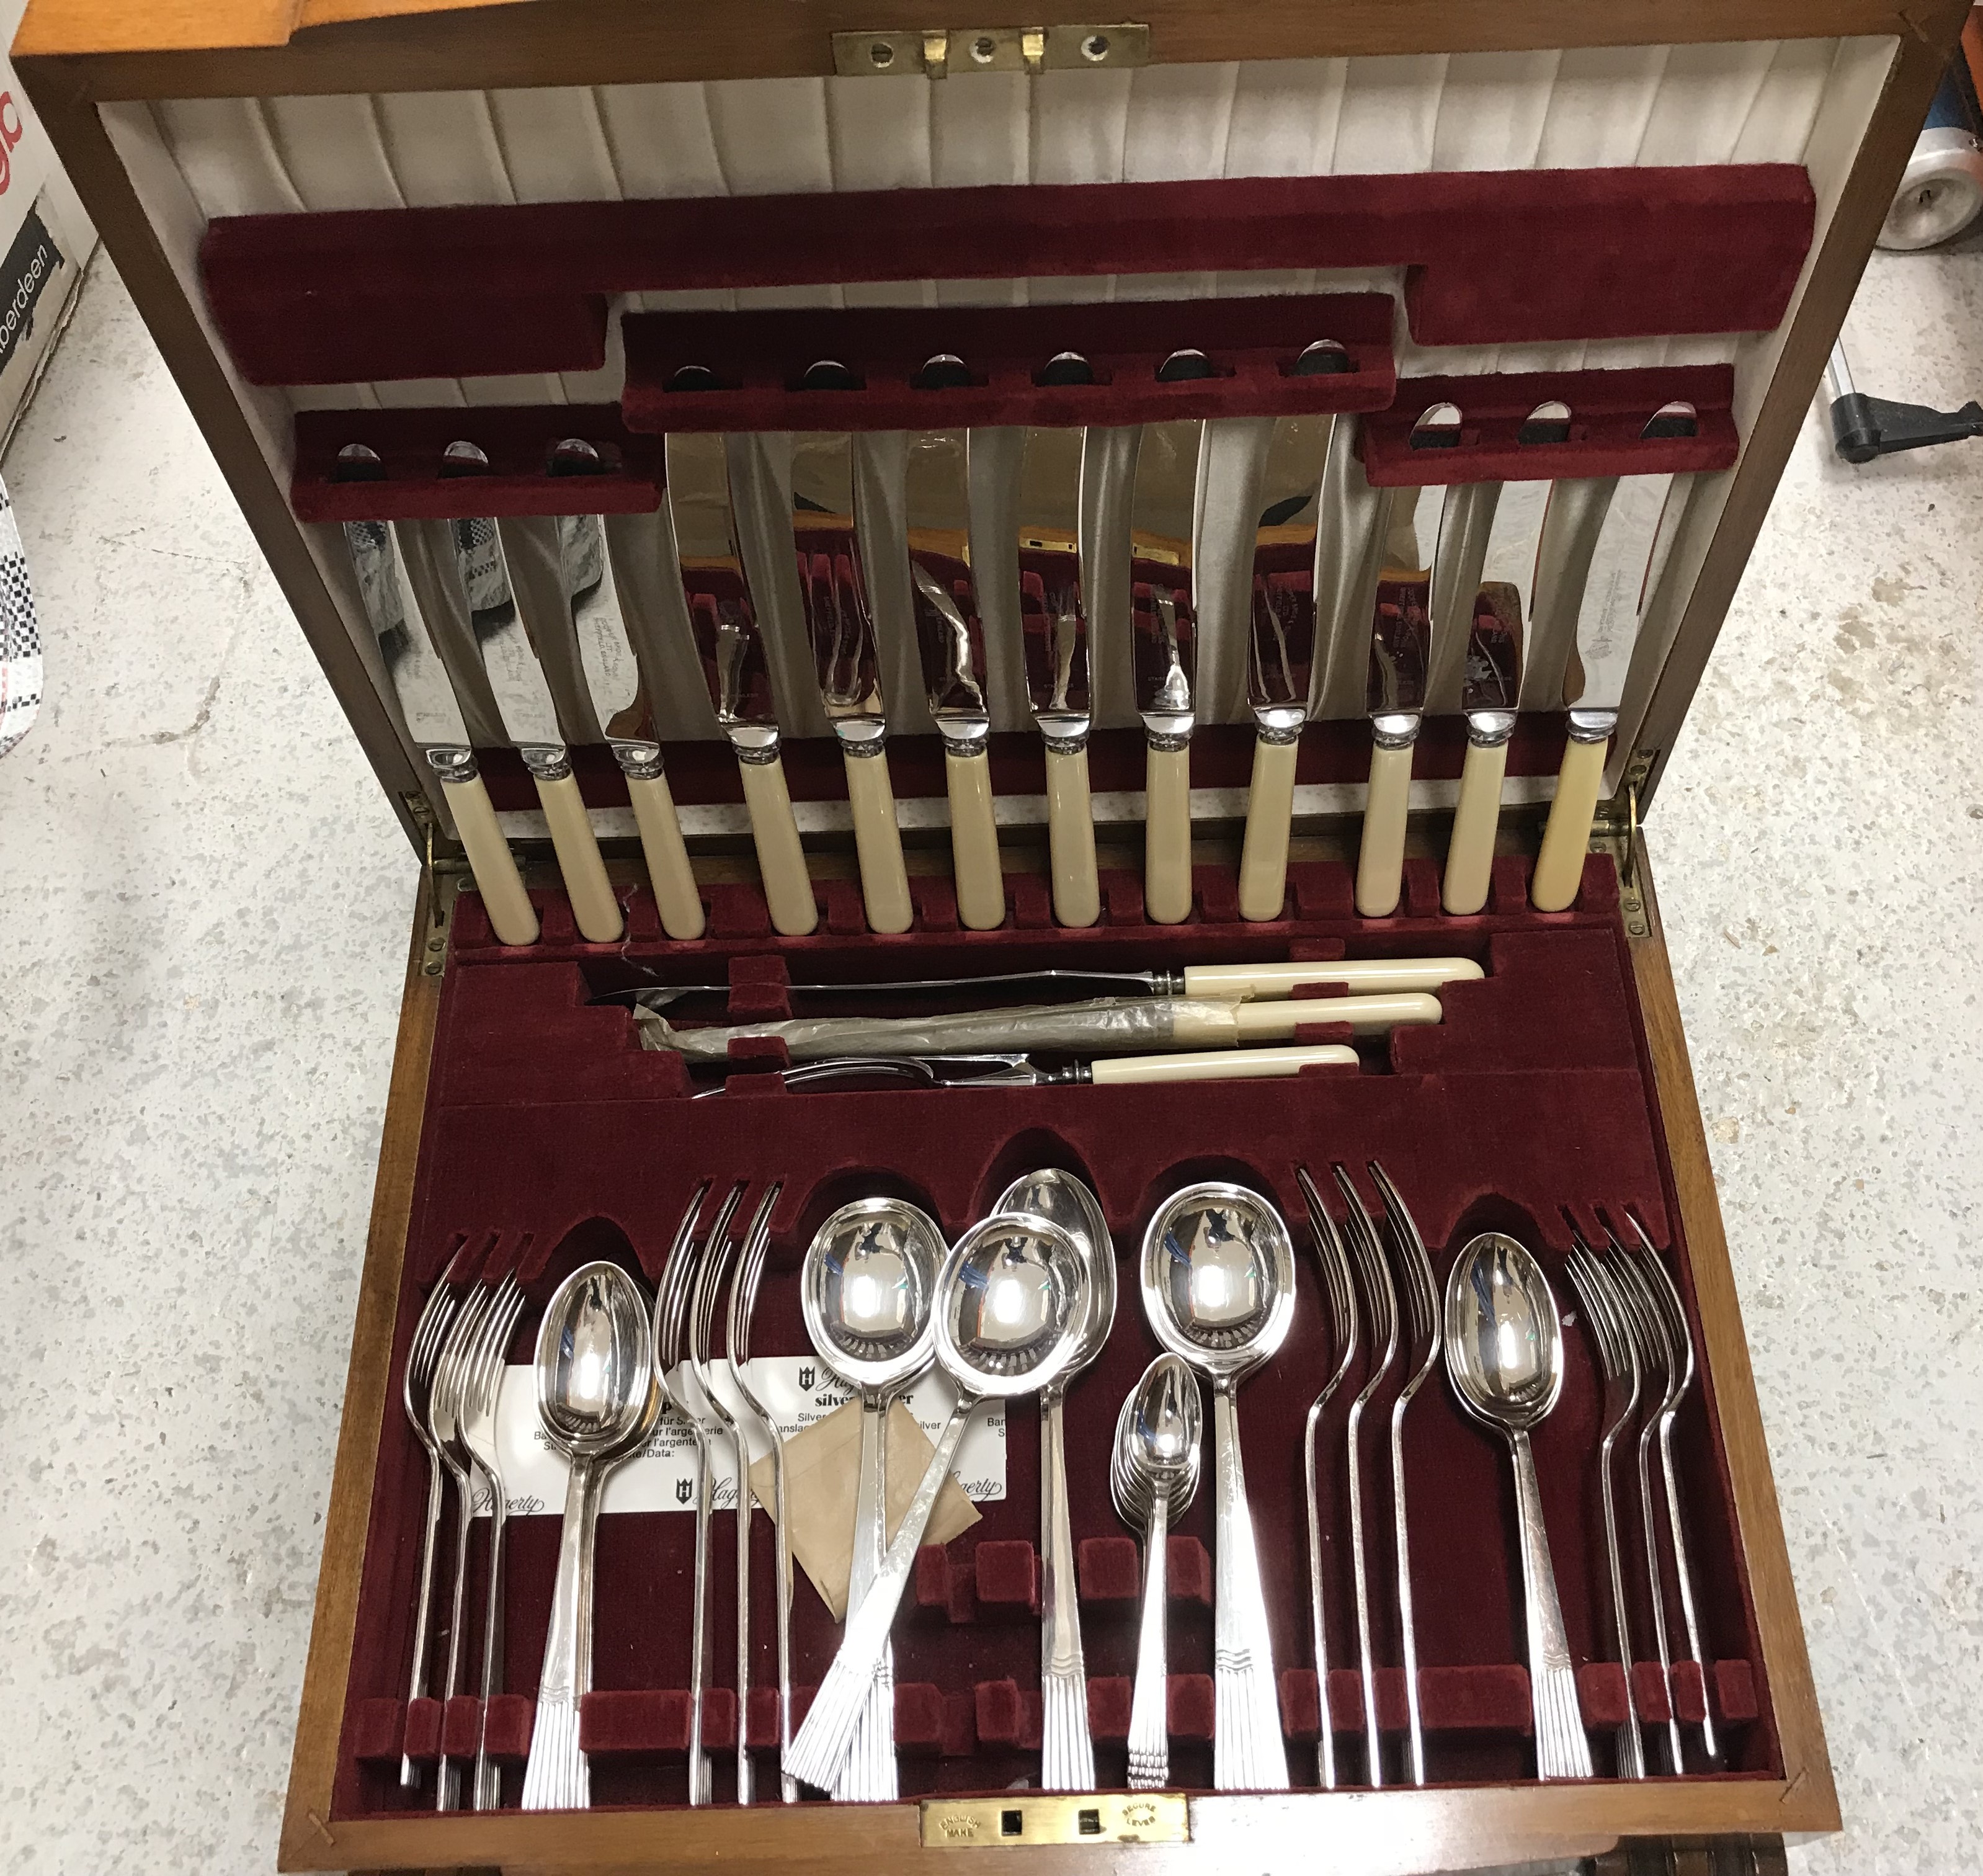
{"points": [[1218, 1287], [598, 1402], [866, 1292], [1011, 1300], [1504, 1358], [1067, 1748]]}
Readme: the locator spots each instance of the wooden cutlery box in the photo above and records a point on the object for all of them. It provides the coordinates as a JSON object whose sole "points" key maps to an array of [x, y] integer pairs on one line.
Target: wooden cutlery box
{"points": [[402, 225]]}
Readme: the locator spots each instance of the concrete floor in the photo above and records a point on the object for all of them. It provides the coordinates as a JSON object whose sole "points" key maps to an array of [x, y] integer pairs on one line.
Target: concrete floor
{"points": [[199, 966]]}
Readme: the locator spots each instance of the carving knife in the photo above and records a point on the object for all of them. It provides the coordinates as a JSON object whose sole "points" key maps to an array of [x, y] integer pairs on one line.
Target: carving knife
{"points": [[731, 645], [433, 719], [612, 673], [847, 662], [949, 645], [530, 721], [1624, 534], [1400, 646], [1162, 652], [1054, 630], [1493, 583]]}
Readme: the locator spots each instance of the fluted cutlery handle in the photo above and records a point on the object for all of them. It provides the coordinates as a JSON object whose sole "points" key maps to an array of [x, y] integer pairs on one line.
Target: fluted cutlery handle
{"points": [[974, 841], [1067, 1762], [1270, 808], [781, 860], [556, 1775], [1563, 1749], [1470, 854], [1248, 1752], [878, 841], [1380, 857], [592, 904], [511, 915], [1567, 838], [1077, 892], [675, 895], [1150, 1707]]}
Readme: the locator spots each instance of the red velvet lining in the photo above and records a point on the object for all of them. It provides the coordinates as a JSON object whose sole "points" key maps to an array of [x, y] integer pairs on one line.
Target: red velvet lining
{"points": [[1609, 411], [1496, 256], [548, 1123], [761, 357]]}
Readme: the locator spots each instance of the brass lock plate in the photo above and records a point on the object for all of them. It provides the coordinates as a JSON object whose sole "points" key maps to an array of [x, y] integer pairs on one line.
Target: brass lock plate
{"points": [[1018, 1819]]}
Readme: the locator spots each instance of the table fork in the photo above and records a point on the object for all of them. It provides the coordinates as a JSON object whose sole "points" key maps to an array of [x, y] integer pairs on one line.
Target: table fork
{"points": [[1339, 1293], [416, 1390], [444, 1423]]}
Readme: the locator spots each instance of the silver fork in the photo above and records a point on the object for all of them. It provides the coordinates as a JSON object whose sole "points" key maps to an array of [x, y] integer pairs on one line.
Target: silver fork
{"points": [[1381, 1308], [444, 1423], [1618, 1355], [1420, 1327], [736, 1343], [415, 1391], [1338, 1292], [482, 1387], [1665, 1296]]}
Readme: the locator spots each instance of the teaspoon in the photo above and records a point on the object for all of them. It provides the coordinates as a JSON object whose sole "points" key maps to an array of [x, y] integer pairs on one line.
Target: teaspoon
{"points": [[1504, 1358], [1153, 1477], [1011, 1300], [597, 1401], [1218, 1287], [1067, 1748]]}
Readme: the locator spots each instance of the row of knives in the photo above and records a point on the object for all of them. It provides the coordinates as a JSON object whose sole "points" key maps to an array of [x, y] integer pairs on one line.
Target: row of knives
{"points": [[1488, 598]]}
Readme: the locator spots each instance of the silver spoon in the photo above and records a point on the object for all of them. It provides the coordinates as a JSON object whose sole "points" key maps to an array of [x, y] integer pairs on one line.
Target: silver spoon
{"points": [[598, 1402], [1218, 1287], [1067, 1749], [1153, 1477], [1504, 1358], [1010, 1302], [867, 1291]]}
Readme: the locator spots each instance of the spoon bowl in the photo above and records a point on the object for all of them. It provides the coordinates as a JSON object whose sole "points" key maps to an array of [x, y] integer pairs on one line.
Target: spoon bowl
{"points": [[1503, 1336], [868, 1291], [1159, 1443], [1012, 1306], [1067, 1201], [1219, 1278], [594, 1363]]}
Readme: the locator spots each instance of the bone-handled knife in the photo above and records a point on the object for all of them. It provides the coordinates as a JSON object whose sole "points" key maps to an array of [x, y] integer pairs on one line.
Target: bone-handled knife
{"points": [[1633, 533], [730, 646], [612, 673], [433, 719], [950, 647], [1400, 641], [531, 720], [1054, 631], [848, 663], [1493, 586], [1162, 647]]}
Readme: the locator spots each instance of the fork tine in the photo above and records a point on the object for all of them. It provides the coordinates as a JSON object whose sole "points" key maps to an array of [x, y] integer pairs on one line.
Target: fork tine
{"points": [[717, 1252], [1415, 1266], [750, 1272], [1335, 1266], [673, 1288]]}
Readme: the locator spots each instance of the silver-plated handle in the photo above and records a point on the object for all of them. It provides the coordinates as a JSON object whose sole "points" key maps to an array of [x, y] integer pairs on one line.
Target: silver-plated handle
{"points": [[1067, 1750], [745, 1793], [556, 1776], [1683, 1572], [867, 1775], [1248, 1752], [699, 1782], [488, 1775], [1149, 1707], [788, 1786], [1563, 1749], [417, 1681], [821, 1743], [448, 1783]]}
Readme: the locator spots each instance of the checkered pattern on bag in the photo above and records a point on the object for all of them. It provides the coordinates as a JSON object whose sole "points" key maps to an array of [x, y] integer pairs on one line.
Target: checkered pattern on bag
{"points": [[20, 635]]}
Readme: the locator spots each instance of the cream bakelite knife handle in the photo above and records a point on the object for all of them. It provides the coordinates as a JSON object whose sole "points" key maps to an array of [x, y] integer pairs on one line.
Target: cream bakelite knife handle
{"points": [[1218, 1064], [974, 841], [1362, 974], [1470, 855], [675, 893], [1380, 859], [1270, 808], [585, 884], [878, 842], [1567, 838], [1167, 835], [781, 859], [511, 915], [1077, 891]]}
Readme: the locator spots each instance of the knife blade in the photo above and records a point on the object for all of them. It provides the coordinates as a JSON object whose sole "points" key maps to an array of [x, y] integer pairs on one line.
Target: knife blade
{"points": [[531, 720], [1495, 575], [1163, 507], [433, 720], [846, 663], [1054, 647], [730, 647], [610, 668], [1400, 649], [1628, 556], [950, 648]]}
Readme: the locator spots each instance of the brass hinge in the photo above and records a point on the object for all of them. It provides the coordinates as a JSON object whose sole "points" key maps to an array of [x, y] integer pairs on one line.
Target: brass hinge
{"points": [[1019, 1820], [447, 873], [1616, 833], [947, 51]]}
